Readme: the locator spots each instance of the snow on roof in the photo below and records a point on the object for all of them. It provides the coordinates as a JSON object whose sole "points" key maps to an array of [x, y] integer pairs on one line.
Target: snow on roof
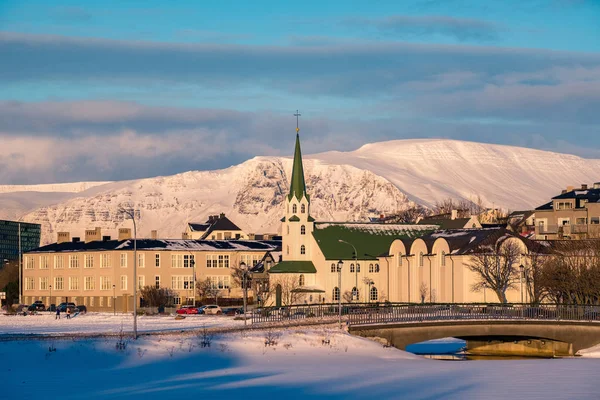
{"points": [[376, 228]]}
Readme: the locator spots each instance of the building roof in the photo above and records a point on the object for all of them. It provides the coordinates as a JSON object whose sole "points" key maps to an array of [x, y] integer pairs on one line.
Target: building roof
{"points": [[547, 206], [297, 184], [370, 239], [592, 195], [163, 244], [294, 267], [214, 223], [446, 223], [194, 227]]}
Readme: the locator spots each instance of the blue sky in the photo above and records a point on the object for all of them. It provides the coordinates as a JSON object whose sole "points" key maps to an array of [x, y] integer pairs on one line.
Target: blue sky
{"points": [[103, 90]]}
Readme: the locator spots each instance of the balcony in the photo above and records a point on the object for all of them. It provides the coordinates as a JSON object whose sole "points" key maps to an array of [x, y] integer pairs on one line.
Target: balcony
{"points": [[547, 229]]}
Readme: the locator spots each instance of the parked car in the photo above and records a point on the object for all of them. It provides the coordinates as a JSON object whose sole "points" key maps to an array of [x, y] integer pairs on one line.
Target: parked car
{"points": [[187, 310], [233, 311], [63, 307], [213, 310], [201, 309], [51, 308], [37, 306], [82, 309]]}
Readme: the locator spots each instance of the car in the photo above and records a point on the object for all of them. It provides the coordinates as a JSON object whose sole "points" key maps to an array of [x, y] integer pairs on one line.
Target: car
{"points": [[63, 307], [37, 306], [201, 309], [187, 310], [82, 309], [51, 308], [233, 311], [213, 310]]}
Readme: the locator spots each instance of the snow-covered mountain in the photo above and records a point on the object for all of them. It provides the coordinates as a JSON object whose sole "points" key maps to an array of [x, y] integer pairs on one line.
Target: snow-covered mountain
{"points": [[376, 179]]}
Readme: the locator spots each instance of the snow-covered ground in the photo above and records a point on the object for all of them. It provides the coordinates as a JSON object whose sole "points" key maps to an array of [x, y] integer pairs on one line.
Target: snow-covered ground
{"points": [[301, 365], [97, 323]]}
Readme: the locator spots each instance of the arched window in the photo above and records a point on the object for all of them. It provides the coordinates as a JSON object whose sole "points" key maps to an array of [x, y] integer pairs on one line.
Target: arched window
{"points": [[371, 268], [357, 267], [336, 294], [302, 230], [376, 267], [374, 296], [301, 280], [333, 267], [355, 294], [351, 267], [302, 249], [294, 209], [443, 261], [302, 209], [420, 259], [399, 259]]}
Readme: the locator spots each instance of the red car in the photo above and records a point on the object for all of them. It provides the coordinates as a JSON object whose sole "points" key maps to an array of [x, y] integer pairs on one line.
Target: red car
{"points": [[187, 310]]}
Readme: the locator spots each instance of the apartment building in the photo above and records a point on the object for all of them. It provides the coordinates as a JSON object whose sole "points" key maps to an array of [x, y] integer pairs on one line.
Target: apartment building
{"points": [[98, 272], [574, 214]]}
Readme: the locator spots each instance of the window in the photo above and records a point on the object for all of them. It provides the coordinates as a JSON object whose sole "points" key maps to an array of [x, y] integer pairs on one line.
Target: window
{"points": [[105, 283], [177, 300], [357, 267], [180, 282], [141, 281], [73, 283], [89, 283], [141, 260], [89, 261], [302, 209], [223, 261], [29, 262], [123, 260], [157, 260], [302, 249], [595, 221], [101, 301], [188, 261], [29, 283], [376, 268], [220, 282], [157, 282], [302, 230], [581, 221], [336, 294], [58, 262], [44, 262], [105, 261], [443, 261], [59, 283], [301, 280], [123, 282], [108, 303], [420, 259], [333, 267], [219, 261], [176, 260], [371, 268], [354, 294], [374, 296], [351, 267], [294, 209], [44, 283], [91, 302], [74, 262]]}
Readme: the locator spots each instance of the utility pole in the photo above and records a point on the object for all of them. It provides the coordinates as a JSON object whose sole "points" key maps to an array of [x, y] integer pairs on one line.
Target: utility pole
{"points": [[20, 273]]}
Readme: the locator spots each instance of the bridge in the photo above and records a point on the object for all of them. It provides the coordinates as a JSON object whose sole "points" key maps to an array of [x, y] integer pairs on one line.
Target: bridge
{"points": [[546, 330]]}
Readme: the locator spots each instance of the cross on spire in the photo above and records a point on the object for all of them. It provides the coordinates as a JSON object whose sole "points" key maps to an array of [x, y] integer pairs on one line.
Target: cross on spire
{"points": [[297, 115]]}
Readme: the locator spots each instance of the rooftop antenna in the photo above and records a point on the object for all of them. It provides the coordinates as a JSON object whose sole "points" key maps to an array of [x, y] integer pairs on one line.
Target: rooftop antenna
{"points": [[297, 126]]}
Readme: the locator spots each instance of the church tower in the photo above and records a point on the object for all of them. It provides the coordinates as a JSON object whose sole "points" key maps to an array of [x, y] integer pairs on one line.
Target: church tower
{"points": [[297, 224]]}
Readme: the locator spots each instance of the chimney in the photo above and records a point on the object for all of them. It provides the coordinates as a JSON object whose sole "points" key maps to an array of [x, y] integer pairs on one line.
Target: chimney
{"points": [[210, 218], [584, 186], [570, 188], [597, 185], [63, 237], [92, 235], [251, 236], [185, 235], [454, 215], [222, 215], [563, 191], [124, 233], [154, 235]]}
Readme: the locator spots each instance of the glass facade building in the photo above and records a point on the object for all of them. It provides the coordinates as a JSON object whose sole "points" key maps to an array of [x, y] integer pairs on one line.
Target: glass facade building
{"points": [[9, 239]]}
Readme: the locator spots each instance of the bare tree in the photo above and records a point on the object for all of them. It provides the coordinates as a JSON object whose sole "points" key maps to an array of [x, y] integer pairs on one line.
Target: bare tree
{"points": [[532, 273], [423, 289], [347, 297], [208, 289], [410, 215], [156, 297], [289, 285], [496, 266]]}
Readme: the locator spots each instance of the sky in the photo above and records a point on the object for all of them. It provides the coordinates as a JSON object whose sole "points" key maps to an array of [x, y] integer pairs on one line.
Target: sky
{"points": [[117, 89]]}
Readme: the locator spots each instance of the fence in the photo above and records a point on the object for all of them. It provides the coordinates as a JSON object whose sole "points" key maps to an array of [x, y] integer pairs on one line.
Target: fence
{"points": [[315, 311]]}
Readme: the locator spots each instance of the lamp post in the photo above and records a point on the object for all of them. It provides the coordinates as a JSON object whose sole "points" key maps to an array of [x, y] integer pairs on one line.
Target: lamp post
{"points": [[521, 268], [131, 214], [50, 286], [355, 258], [193, 262], [115, 301], [339, 271], [484, 288], [244, 269]]}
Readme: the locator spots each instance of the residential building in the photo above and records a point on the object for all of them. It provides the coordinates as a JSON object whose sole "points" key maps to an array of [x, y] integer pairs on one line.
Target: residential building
{"points": [[217, 227], [10, 239], [573, 214], [451, 221]]}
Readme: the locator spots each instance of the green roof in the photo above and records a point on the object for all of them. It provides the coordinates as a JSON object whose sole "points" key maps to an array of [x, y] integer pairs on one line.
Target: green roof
{"points": [[294, 218], [297, 186], [291, 267], [368, 238]]}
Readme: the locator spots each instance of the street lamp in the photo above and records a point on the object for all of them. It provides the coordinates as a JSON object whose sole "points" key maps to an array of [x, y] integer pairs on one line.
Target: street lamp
{"points": [[193, 263], [244, 269], [521, 268], [355, 258], [484, 288], [131, 214], [115, 301], [339, 271], [50, 286]]}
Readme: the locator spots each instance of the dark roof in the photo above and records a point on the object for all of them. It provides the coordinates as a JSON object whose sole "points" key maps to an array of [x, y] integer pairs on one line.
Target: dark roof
{"points": [[214, 223], [592, 195], [198, 227], [446, 223], [294, 267], [547, 206], [163, 244], [370, 239]]}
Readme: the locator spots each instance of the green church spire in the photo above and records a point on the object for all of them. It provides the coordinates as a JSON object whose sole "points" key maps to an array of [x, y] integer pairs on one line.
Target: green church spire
{"points": [[297, 187]]}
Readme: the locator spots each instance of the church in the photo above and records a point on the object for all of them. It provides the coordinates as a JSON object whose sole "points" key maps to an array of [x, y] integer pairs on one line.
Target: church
{"points": [[322, 262]]}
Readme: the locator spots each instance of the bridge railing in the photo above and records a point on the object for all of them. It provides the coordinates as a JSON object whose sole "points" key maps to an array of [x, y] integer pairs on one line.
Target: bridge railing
{"points": [[408, 313]]}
